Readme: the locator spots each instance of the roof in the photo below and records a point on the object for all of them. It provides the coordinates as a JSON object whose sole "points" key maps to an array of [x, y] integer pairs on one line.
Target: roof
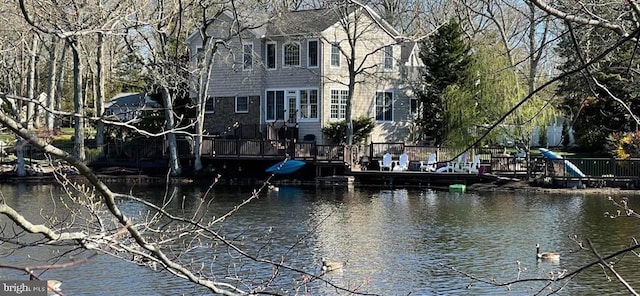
{"points": [[407, 49], [303, 22], [314, 21], [131, 100]]}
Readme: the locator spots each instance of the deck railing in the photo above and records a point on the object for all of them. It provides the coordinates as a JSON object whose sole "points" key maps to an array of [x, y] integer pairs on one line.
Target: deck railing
{"points": [[495, 160], [244, 148], [330, 153], [416, 152], [598, 167], [225, 148], [492, 159]]}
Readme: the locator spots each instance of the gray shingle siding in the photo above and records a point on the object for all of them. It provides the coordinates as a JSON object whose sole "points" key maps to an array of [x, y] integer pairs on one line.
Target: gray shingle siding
{"points": [[294, 76], [228, 76]]}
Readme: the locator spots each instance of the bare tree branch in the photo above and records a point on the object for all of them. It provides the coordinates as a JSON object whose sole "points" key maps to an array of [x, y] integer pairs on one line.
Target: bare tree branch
{"points": [[610, 268], [577, 19]]}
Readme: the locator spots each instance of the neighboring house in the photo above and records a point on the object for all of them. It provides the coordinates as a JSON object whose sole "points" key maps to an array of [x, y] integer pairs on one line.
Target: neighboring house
{"points": [[554, 134], [291, 72], [128, 106]]}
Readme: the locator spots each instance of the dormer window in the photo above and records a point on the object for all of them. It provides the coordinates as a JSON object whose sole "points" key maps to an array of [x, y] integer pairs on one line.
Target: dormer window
{"points": [[291, 54]]}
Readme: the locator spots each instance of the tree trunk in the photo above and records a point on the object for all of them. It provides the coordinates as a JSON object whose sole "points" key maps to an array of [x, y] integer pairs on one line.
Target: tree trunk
{"points": [[31, 88], [197, 141], [15, 109], [347, 115], [28, 120], [20, 169], [205, 77], [533, 60], [174, 163], [203, 90], [78, 103], [53, 64], [60, 88], [100, 93]]}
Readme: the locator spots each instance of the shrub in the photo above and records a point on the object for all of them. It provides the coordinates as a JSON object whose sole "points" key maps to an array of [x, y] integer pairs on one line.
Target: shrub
{"points": [[92, 154], [336, 132], [623, 145], [543, 136]]}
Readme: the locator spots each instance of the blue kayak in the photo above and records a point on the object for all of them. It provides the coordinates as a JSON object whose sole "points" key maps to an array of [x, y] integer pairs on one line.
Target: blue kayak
{"points": [[571, 168], [285, 167]]}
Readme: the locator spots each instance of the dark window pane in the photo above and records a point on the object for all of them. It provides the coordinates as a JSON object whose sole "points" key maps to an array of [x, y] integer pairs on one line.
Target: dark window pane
{"points": [[313, 53], [271, 56]]}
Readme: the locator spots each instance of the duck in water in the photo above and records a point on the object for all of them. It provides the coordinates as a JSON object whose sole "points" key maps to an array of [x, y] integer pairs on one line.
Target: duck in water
{"points": [[549, 256]]}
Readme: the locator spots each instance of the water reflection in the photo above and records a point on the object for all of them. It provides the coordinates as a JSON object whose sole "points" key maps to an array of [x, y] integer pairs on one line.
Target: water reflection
{"points": [[395, 242]]}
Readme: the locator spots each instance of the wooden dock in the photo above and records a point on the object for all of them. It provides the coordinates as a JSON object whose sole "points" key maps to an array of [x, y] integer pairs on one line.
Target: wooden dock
{"points": [[422, 179]]}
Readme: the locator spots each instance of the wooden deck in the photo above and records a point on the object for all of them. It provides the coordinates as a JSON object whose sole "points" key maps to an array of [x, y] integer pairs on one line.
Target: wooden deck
{"points": [[234, 156], [423, 179]]}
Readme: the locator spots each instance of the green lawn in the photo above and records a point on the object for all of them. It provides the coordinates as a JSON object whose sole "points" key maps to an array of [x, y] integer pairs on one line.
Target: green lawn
{"points": [[64, 135], [568, 154]]}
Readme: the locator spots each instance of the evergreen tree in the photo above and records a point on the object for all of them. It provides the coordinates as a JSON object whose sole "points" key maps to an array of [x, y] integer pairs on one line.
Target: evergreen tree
{"points": [[597, 114], [446, 56]]}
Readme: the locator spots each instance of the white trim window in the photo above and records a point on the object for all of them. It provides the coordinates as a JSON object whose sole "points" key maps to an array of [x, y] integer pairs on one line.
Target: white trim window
{"points": [[242, 104], [270, 55], [414, 108], [274, 105], [293, 105], [209, 105], [198, 57], [291, 54], [335, 55], [384, 106], [388, 57], [247, 56], [313, 53], [339, 98], [308, 104]]}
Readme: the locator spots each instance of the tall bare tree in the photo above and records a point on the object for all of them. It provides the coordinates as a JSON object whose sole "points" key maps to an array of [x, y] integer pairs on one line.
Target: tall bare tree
{"points": [[31, 83], [354, 39], [53, 49], [47, 24], [206, 17], [100, 90], [78, 25], [154, 39], [78, 99]]}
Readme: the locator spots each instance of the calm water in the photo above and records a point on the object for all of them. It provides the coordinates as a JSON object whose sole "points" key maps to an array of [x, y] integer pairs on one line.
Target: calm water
{"points": [[396, 242]]}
